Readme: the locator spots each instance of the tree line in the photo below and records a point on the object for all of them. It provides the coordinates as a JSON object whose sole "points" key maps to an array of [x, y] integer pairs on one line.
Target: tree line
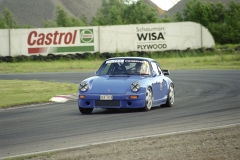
{"points": [[223, 21]]}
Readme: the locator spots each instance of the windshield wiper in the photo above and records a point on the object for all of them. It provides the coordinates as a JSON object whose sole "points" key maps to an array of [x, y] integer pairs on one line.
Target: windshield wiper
{"points": [[142, 74], [121, 73]]}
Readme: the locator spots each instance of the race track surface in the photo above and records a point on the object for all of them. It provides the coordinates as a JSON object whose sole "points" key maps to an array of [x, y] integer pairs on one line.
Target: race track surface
{"points": [[204, 99]]}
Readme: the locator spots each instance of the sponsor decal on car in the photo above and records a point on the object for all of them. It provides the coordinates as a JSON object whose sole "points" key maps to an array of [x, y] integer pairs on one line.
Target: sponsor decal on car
{"points": [[115, 61]]}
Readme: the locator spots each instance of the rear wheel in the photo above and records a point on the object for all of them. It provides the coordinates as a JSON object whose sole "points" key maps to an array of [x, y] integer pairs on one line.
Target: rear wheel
{"points": [[148, 103], [170, 99], [85, 110]]}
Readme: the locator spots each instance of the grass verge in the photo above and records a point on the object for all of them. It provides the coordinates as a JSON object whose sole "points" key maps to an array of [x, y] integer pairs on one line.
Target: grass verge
{"points": [[171, 61], [19, 92], [230, 61], [53, 66]]}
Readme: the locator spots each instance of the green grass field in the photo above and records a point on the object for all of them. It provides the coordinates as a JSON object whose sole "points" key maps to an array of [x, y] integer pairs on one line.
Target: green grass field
{"points": [[17, 92], [171, 61]]}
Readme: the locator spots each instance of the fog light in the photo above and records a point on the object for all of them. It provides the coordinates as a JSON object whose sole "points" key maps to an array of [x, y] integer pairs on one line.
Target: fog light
{"points": [[81, 96], [134, 97]]}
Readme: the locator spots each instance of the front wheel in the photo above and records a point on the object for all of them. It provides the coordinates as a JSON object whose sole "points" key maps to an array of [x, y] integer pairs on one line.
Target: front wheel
{"points": [[85, 110], [171, 95], [148, 103]]}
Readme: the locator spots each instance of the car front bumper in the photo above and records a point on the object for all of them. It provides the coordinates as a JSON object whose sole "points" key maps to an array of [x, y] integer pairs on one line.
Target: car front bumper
{"points": [[118, 101]]}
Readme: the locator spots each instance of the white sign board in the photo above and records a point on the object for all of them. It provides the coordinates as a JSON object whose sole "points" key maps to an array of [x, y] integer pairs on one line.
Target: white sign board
{"points": [[4, 42], [154, 37], [113, 39]]}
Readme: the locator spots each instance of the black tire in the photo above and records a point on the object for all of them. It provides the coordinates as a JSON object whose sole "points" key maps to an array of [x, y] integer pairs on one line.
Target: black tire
{"points": [[171, 95], [85, 110], [149, 99]]}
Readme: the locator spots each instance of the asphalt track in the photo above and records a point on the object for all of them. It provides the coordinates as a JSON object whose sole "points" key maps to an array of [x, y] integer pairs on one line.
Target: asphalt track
{"points": [[204, 99]]}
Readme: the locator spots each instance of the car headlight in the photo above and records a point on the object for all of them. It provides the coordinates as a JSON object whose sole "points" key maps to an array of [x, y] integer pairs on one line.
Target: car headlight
{"points": [[135, 86], [83, 86]]}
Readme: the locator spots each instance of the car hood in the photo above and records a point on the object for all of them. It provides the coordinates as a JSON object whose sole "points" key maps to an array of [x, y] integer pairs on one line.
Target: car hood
{"points": [[112, 84]]}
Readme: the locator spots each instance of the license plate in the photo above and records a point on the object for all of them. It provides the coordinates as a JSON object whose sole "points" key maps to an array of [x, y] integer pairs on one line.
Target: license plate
{"points": [[106, 97]]}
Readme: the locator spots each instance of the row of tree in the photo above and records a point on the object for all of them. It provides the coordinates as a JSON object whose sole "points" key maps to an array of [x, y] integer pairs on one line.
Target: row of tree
{"points": [[222, 21]]}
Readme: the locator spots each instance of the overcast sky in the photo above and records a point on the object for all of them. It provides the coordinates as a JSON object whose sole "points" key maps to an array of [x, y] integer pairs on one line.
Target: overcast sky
{"points": [[164, 4]]}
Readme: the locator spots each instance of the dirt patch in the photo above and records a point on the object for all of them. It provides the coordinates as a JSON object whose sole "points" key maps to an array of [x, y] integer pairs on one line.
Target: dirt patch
{"points": [[216, 144]]}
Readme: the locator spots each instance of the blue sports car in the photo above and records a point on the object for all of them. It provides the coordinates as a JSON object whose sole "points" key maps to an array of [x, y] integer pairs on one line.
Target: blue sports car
{"points": [[126, 82]]}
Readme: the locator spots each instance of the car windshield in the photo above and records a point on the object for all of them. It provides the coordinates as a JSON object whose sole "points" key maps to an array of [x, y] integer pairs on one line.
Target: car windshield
{"points": [[127, 67]]}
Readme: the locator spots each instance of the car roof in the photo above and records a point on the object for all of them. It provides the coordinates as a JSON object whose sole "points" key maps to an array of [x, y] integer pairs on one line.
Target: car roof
{"points": [[137, 58]]}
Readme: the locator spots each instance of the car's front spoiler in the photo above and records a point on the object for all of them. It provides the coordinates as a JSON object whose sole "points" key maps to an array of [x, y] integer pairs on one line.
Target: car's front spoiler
{"points": [[118, 101]]}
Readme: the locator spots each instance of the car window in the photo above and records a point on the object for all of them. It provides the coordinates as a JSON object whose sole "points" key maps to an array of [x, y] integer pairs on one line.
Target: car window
{"points": [[159, 69], [156, 68], [138, 67], [105, 69], [128, 66], [112, 67]]}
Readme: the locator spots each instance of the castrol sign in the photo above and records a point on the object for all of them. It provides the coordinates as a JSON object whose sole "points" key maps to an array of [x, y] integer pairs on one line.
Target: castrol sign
{"points": [[55, 40]]}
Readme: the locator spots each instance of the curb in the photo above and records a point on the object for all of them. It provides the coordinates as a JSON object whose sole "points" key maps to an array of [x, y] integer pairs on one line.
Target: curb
{"points": [[64, 98]]}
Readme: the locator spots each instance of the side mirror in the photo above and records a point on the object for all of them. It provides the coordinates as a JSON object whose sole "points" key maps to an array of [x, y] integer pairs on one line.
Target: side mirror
{"points": [[96, 72], [166, 72]]}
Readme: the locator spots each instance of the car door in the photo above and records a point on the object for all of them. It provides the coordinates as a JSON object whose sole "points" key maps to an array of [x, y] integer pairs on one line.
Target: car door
{"points": [[159, 83]]}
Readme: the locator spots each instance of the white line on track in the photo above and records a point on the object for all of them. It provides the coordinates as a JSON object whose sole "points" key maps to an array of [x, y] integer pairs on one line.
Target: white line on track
{"points": [[119, 140]]}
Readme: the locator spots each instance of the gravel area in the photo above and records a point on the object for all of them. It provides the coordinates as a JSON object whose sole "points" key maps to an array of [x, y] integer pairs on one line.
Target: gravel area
{"points": [[215, 144]]}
